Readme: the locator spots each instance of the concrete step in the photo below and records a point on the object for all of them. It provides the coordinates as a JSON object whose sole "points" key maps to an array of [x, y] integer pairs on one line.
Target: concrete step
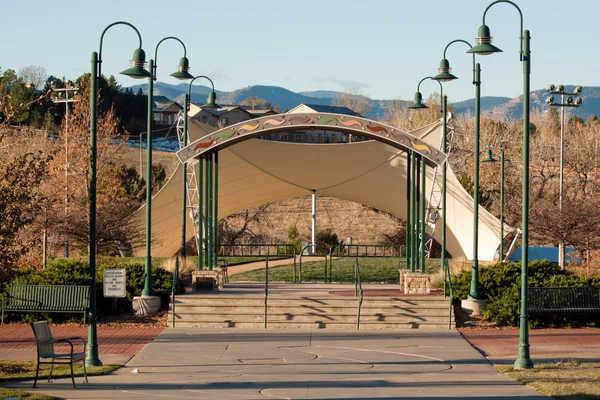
{"points": [[331, 301], [303, 309], [311, 317], [318, 325]]}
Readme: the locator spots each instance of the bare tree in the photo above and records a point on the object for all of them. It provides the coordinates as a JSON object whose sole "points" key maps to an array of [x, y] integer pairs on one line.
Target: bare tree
{"points": [[353, 100], [34, 75]]}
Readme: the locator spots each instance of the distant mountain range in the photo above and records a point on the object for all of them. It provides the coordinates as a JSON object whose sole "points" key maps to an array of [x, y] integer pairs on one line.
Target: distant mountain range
{"points": [[502, 108]]}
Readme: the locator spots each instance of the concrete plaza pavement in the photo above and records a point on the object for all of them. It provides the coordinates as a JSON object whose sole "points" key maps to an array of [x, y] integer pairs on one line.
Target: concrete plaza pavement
{"points": [[192, 363]]}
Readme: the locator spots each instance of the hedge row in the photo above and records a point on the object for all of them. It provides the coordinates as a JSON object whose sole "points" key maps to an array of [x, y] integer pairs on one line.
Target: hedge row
{"points": [[500, 285], [77, 272]]}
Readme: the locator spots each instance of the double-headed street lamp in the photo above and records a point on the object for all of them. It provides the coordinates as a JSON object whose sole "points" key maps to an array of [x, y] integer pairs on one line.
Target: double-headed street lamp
{"points": [[444, 75], [211, 104], [568, 102], [484, 47], [135, 71], [411, 212], [181, 74]]}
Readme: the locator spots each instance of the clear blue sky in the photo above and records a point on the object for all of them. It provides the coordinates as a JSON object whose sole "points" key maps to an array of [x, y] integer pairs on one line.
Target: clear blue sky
{"points": [[382, 48]]}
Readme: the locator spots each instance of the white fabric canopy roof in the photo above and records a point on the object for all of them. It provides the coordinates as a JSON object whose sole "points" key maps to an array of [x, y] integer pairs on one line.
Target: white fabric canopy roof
{"points": [[255, 171]]}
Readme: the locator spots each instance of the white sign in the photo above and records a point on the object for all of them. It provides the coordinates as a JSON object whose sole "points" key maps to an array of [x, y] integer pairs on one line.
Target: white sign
{"points": [[114, 283]]}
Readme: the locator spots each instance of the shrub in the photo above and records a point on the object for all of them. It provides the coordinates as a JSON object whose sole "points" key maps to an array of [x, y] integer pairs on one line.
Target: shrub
{"points": [[500, 285], [76, 272], [326, 239]]}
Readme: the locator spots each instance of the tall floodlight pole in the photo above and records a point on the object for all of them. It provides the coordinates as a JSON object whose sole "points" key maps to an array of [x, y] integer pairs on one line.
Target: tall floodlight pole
{"points": [[181, 74], [211, 104], [417, 105], [560, 89], [445, 75], [58, 98], [135, 71], [484, 47]]}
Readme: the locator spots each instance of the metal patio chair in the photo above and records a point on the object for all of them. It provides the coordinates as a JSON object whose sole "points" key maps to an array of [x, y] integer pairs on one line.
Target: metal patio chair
{"points": [[45, 350]]}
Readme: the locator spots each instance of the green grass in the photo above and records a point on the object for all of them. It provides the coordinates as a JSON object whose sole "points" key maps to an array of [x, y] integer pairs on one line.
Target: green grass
{"points": [[371, 270], [563, 380], [157, 261], [23, 370], [19, 394]]}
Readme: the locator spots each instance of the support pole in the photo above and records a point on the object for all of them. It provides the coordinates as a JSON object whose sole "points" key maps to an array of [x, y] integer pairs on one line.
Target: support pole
{"points": [[417, 213], [147, 291], [561, 245], [209, 194], [313, 229], [201, 228], [413, 214], [474, 293], [184, 182], [408, 220], [524, 359], [216, 206], [423, 197], [92, 358], [444, 169], [502, 204]]}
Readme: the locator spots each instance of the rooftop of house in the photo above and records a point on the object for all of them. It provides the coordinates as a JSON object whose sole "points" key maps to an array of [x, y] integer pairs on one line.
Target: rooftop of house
{"points": [[330, 109]]}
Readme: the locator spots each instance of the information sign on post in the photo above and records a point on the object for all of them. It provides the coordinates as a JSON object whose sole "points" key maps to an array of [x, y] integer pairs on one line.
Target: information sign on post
{"points": [[114, 283]]}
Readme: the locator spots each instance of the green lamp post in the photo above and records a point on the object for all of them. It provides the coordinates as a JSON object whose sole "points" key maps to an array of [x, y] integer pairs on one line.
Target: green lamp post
{"points": [[135, 71], [484, 47], [181, 74], [418, 105], [444, 75], [211, 104], [489, 158]]}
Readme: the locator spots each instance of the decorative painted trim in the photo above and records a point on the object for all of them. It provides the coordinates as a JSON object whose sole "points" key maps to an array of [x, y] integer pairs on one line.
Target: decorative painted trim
{"points": [[312, 121]]}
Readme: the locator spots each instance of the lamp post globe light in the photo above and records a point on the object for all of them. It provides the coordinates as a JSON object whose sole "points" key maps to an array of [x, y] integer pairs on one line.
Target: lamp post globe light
{"points": [[136, 71], [568, 102], [211, 104], [152, 303], [473, 301], [411, 216], [484, 47]]}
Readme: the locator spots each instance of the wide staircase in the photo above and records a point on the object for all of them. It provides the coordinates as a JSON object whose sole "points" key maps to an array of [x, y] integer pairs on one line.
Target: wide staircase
{"points": [[311, 312]]}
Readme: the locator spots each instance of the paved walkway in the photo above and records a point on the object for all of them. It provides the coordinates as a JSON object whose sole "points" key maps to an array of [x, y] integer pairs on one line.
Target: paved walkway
{"points": [[499, 346], [115, 345], [186, 363]]}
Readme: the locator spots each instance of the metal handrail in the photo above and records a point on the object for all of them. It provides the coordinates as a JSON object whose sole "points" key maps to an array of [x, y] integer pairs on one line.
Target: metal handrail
{"points": [[266, 289], [277, 246], [173, 290], [317, 248], [259, 247], [348, 247], [448, 275], [358, 290]]}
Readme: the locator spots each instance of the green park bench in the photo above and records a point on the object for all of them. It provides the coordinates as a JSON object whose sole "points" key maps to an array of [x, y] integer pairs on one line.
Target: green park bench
{"points": [[47, 299], [563, 300]]}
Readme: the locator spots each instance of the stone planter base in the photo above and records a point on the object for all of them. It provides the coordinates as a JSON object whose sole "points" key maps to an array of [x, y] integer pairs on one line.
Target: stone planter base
{"points": [[472, 306], [146, 305], [414, 282], [208, 279]]}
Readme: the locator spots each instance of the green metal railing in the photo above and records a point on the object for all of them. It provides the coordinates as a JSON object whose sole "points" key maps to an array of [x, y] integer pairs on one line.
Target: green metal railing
{"points": [[358, 291], [266, 289], [174, 290], [368, 250], [317, 248], [258, 250], [448, 277]]}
